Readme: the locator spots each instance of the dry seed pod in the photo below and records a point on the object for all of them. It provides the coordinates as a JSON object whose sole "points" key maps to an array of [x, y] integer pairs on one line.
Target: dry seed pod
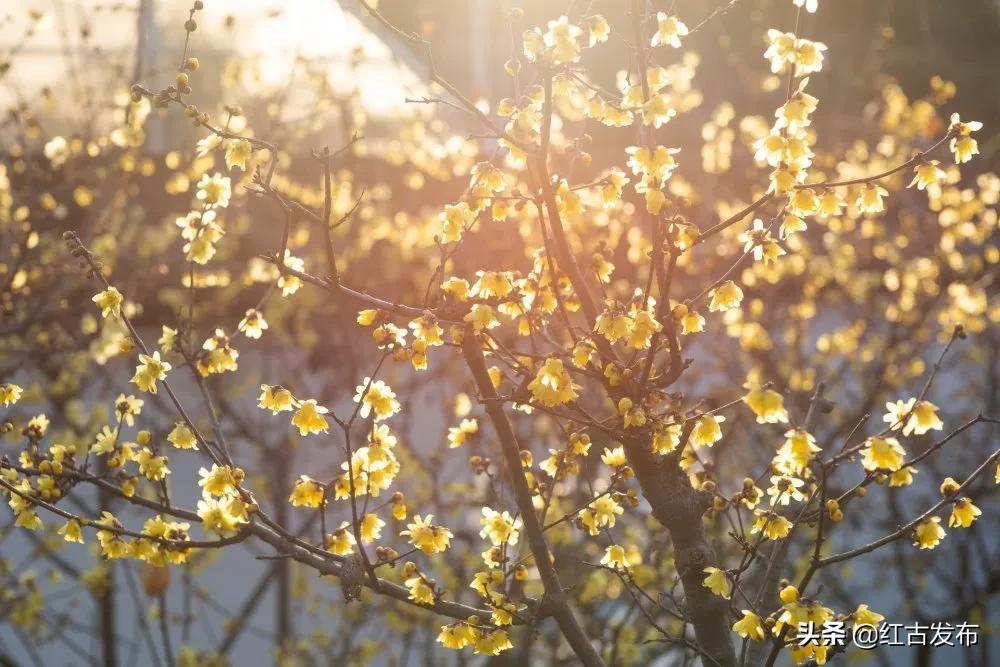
{"points": [[155, 579]]}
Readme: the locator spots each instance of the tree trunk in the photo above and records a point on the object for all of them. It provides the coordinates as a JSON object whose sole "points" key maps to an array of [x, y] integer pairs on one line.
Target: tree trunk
{"points": [[679, 508]]}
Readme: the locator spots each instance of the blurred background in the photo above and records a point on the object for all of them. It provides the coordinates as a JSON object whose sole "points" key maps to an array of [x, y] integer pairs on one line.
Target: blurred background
{"points": [[309, 73]]}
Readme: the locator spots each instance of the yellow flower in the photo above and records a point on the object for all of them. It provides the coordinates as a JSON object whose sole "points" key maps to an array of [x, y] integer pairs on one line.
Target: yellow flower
{"points": [[928, 533], [309, 418], [167, 339], [601, 512], [457, 636], [28, 519], [127, 407], [563, 41], [552, 384], [963, 146], [749, 627], [707, 431], [276, 399], [109, 301], [237, 153], [220, 480], [457, 435], [493, 642], [153, 468], [105, 443], [150, 370], [726, 296], [499, 527], [789, 594], [289, 283], [784, 179], [307, 492], [71, 531], [804, 202], [808, 56], [371, 528], [598, 29], [771, 524], [182, 437], [657, 110], [924, 419], [865, 616], [655, 166], [614, 557], [797, 452], [963, 514], [883, 454], [784, 489], [794, 114], [870, 200], [421, 590], [916, 417], [39, 424], [484, 582], [223, 515], [202, 231], [902, 477], [692, 322], [427, 537], [482, 316], [207, 145], [427, 330], [492, 284], [666, 438], [253, 324], [780, 50], [10, 394], [602, 267], [367, 317], [456, 288], [927, 174], [341, 541], [376, 396], [454, 221], [767, 404], [399, 510], [221, 356], [669, 30], [830, 204], [112, 544], [614, 457], [716, 582], [214, 190], [759, 240], [642, 327]]}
